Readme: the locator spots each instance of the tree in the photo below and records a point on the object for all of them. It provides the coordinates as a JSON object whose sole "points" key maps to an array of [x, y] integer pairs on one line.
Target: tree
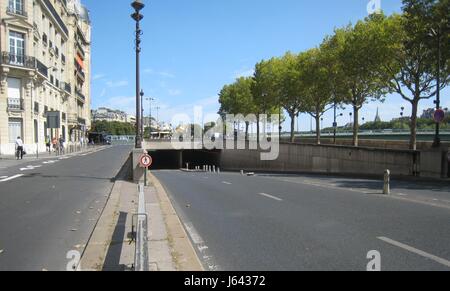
{"points": [[290, 85], [237, 99], [362, 52], [413, 51], [266, 89], [318, 90]]}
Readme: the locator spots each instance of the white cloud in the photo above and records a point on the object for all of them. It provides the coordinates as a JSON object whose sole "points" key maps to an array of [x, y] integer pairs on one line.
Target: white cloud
{"points": [[245, 72], [163, 74], [117, 84], [174, 92], [98, 77]]}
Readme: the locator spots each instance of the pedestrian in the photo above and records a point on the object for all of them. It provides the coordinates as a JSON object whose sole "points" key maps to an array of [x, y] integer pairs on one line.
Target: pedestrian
{"points": [[19, 148], [61, 144], [48, 144], [55, 144]]}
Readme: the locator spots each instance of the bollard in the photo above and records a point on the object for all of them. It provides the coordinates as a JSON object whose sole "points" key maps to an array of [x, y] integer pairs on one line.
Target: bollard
{"points": [[187, 166], [242, 172], [218, 170], [387, 182], [214, 169]]}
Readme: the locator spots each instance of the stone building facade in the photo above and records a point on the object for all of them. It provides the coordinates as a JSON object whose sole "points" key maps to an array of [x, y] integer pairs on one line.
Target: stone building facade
{"points": [[44, 67]]}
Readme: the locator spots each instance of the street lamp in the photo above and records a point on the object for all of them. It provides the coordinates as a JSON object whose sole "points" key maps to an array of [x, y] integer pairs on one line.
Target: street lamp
{"points": [[401, 117], [142, 113], [137, 17], [150, 99], [437, 34]]}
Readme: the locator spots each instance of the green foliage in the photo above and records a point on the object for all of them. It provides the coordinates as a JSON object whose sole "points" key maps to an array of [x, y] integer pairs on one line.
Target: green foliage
{"points": [[113, 128]]}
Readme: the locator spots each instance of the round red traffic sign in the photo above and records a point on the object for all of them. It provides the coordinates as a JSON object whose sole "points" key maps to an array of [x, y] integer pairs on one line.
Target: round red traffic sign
{"points": [[146, 161], [439, 115]]}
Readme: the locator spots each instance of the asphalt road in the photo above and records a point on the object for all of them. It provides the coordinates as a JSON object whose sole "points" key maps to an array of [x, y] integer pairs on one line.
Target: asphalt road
{"points": [[50, 207], [277, 222]]}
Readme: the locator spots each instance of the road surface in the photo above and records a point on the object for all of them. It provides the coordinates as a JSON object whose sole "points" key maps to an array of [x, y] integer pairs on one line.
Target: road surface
{"points": [[288, 222], [50, 207]]}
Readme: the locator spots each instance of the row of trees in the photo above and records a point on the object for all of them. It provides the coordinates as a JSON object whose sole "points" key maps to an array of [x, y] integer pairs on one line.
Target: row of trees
{"points": [[113, 127], [357, 64]]}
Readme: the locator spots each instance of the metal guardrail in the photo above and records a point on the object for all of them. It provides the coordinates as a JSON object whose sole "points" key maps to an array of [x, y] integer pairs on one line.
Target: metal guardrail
{"points": [[141, 258]]}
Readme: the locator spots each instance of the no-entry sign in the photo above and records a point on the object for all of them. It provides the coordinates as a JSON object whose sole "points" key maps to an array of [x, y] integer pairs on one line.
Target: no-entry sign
{"points": [[146, 161]]}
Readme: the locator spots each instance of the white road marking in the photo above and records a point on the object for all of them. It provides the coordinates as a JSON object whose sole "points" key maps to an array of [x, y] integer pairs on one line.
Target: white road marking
{"points": [[49, 162], [3, 177], [201, 246], [416, 251], [270, 196], [227, 183], [29, 168], [11, 178]]}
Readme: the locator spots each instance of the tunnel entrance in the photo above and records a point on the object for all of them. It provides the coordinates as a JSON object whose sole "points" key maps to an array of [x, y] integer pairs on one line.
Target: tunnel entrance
{"points": [[176, 159]]}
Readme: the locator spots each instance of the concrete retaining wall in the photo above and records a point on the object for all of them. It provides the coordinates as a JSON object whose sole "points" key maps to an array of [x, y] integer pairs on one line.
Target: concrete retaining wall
{"points": [[326, 159]]}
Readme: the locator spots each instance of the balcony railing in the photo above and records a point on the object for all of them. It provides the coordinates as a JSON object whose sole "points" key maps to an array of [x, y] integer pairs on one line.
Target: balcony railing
{"points": [[15, 104], [18, 60], [15, 11], [67, 87], [41, 68], [80, 94], [56, 16], [81, 121]]}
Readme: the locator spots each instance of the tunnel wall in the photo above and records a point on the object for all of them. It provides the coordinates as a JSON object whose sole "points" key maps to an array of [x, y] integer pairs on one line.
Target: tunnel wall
{"points": [[325, 159]]}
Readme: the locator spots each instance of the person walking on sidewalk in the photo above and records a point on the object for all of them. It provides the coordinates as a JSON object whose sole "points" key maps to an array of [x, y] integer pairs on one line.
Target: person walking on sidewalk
{"points": [[19, 148], [61, 145], [48, 144]]}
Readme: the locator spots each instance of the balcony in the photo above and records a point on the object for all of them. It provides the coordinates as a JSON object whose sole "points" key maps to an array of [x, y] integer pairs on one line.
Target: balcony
{"points": [[81, 121], [42, 69], [80, 95], [67, 87], [15, 104], [20, 12], [18, 60], [56, 16]]}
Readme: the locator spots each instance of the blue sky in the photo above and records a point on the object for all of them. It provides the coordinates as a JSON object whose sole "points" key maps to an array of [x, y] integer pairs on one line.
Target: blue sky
{"points": [[191, 48]]}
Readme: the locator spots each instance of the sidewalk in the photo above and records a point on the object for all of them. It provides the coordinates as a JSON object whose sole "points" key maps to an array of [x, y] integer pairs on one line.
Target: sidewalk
{"points": [[111, 247], [11, 161]]}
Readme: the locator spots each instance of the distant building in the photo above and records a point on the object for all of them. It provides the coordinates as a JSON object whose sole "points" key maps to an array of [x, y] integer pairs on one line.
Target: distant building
{"points": [[377, 117], [111, 115], [429, 113]]}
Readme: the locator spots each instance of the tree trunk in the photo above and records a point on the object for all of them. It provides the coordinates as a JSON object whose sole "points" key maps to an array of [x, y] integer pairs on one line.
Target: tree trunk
{"points": [[247, 126], [292, 115], [413, 140], [355, 126], [317, 117], [257, 129]]}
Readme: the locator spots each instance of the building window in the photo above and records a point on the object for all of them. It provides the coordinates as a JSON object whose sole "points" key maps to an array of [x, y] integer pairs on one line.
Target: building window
{"points": [[14, 94], [15, 129], [16, 6], [17, 47], [36, 131]]}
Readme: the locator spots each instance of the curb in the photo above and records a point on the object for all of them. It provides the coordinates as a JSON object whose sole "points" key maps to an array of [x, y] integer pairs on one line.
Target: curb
{"points": [[183, 252]]}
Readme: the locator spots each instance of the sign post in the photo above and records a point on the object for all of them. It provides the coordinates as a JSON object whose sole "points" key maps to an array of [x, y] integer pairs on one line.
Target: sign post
{"points": [[145, 161]]}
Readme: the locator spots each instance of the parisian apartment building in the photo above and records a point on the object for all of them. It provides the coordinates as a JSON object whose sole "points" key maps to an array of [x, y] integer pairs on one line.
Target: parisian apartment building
{"points": [[112, 115], [44, 69]]}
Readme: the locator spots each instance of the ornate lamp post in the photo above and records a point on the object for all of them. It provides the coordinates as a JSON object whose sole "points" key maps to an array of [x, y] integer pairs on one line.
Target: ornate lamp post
{"points": [[138, 5]]}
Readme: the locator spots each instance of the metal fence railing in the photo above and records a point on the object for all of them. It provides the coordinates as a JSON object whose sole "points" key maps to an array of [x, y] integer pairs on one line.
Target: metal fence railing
{"points": [[141, 258]]}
